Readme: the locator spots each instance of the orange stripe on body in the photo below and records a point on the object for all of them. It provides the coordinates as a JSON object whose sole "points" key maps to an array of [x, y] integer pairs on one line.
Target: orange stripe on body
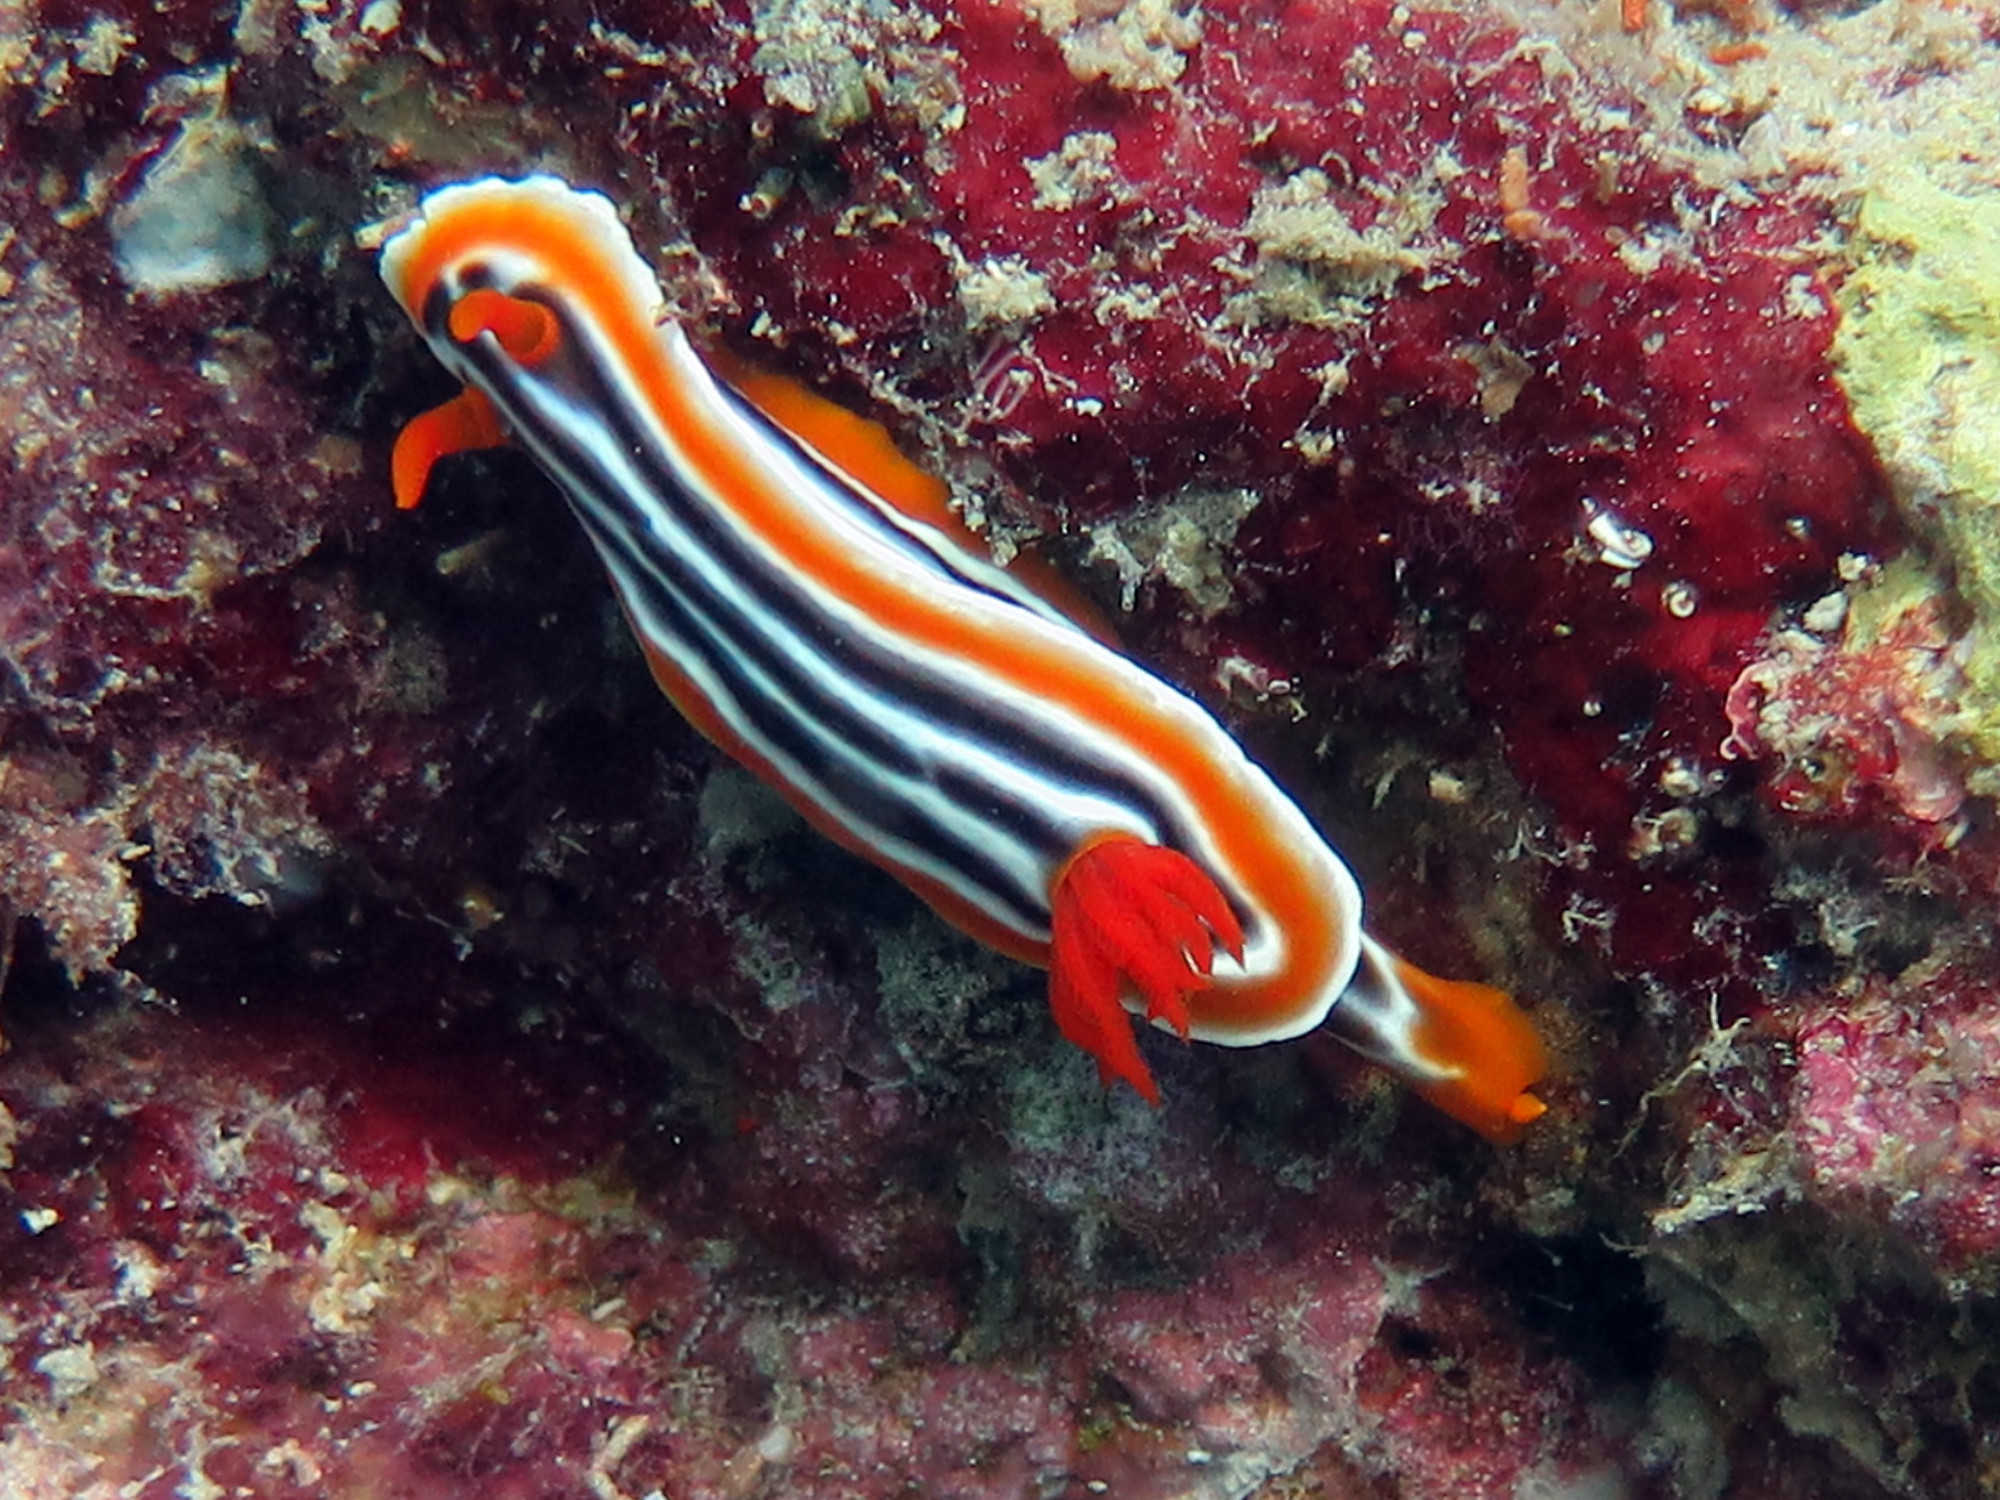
{"points": [[695, 706], [1120, 699], [864, 451]]}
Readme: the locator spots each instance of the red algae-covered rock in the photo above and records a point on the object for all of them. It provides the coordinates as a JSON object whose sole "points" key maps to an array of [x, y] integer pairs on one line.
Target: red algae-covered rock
{"points": [[1899, 1115], [419, 1042], [529, 1325], [1513, 385], [207, 1283]]}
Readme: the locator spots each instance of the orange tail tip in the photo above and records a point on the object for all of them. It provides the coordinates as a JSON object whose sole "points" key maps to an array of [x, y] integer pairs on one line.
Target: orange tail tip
{"points": [[1479, 1036], [465, 422], [1467, 1048], [1129, 914]]}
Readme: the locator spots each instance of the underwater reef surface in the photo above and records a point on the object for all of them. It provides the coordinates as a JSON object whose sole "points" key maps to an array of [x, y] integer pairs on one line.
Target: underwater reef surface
{"points": [[1561, 439]]}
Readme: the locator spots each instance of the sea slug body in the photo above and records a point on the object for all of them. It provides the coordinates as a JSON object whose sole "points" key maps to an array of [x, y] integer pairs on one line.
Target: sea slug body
{"points": [[804, 596]]}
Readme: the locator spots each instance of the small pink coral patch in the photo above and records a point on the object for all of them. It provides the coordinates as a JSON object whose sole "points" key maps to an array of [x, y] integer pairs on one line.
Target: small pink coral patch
{"points": [[1844, 726], [1897, 1108], [577, 1343]]}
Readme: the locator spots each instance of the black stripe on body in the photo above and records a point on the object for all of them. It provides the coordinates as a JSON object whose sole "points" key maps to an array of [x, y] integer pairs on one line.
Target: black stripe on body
{"points": [[938, 696], [914, 539], [809, 713]]}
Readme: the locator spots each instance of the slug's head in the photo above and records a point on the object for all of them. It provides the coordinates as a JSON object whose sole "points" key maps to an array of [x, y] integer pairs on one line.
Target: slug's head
{"points": [[504, 279]]}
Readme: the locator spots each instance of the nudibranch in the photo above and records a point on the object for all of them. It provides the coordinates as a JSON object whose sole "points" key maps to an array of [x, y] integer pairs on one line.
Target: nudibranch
{"points": [[808, 600]]}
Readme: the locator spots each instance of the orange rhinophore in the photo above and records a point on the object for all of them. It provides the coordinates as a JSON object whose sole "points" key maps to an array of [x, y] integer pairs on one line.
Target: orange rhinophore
{"points": [[806, 598]]}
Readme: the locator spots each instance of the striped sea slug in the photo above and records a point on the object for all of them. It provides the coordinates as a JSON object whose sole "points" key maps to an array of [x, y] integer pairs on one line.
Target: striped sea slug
{"points": [[805, 597]]}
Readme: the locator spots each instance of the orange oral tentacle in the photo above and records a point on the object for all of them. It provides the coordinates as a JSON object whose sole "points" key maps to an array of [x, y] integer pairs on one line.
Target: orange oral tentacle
{"points": [[465, 422]]}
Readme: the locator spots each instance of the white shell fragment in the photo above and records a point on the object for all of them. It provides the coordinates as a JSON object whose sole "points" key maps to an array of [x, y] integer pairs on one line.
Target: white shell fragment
{"points": [[1619, 544]]}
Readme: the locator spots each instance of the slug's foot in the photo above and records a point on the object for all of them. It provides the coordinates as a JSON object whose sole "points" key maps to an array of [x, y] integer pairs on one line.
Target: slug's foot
{"points": [[1129, 915]]}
